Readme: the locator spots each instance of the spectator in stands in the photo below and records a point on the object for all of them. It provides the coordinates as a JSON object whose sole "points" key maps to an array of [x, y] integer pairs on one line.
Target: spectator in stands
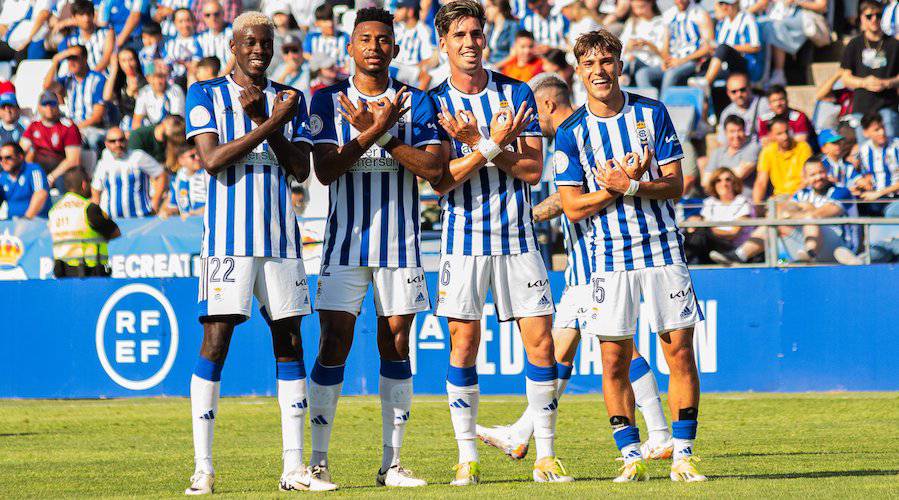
{"points": [[580, 19], [841, 98], [216, 39], [500, 30], [53, 142], [183, 51], [870, 67], [208, 68], [11, 128], [230, 10], [285, 26], [24, 184], [738, 154], [298, 197], [890, 19], [612, 13], [840, 171], [158, 99], [153, 46], [164, 14], [886, 249], [99, 42], [783, 29], [23, 26], [689, 42], [780, 162], [294, 70], [724, 203], [188, 189], [739, 46], [643, 39], [523, 63], [554, 62], [417, 55], [121, 183], [83, 89], [879, 156], [778, 105], [126, 78], [743, 103], [324, 72], [820, 199], [326, 40], [161, 141], [548, 28], [80, 231], [125, 17]]}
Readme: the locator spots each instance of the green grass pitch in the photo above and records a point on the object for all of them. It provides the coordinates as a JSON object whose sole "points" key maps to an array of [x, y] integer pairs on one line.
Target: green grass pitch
{"points": [[841, 445]]}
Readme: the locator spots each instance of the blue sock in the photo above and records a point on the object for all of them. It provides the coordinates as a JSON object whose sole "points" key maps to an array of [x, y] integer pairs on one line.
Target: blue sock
{"points": [[627, 439], [208, 370], [290, 370], [684, 434]]}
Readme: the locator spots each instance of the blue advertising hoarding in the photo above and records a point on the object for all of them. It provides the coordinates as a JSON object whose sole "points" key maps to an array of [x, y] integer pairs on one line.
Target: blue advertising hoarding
{"points": [[800, 329]]}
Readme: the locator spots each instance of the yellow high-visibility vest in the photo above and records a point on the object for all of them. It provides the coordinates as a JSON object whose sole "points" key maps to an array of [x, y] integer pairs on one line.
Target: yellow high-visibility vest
{"points": [[74, 241]]}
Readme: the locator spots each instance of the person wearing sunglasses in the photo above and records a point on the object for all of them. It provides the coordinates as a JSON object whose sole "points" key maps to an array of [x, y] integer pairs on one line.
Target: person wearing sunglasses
{"points": [[743, 103], [294, 69], [870, 66], [53, 142], [215, 41], [22, 184], [725, 202], [187, 191], [125, 179]]}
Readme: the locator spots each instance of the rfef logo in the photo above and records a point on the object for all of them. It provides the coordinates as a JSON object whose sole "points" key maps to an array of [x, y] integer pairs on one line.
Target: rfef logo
{"points": [[137, 337]]}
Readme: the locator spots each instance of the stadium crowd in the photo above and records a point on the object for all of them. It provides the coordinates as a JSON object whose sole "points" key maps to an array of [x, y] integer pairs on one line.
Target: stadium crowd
{"points": [[114, 74]]}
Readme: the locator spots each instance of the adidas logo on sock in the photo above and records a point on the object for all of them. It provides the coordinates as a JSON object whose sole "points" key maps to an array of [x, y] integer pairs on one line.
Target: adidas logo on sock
{"points": [[300, 405], [460, 403], [552, 406], [543, 301], [634, 454], [686, 452], [209, 415], [402, 418], [319, 420]]}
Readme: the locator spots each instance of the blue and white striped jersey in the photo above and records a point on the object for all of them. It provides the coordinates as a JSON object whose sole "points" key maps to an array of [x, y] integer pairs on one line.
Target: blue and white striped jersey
{"points": [[189, 190], [125, 183], [334, 46], [168, 24], [520, 8], [890, 21], [82, 96], [843, 172], [95, 44], [841, 197], [149, 53], [248, 207], [180, 51], [882, 163], [489, 213], [373, 208], [578, 241], [741, 30], [551, 31], [684, 35], [415, 44], [216, 44], [632, 232], [114, 14]]}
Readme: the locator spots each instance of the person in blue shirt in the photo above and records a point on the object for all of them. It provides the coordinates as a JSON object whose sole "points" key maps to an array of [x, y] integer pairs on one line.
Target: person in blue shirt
{"points": [[11, 128], [24, 185]]}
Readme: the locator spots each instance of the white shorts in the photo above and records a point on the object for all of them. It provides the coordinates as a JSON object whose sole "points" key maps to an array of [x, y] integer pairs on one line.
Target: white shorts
{"points": [[519, 283], [573, 305], [667, 291], [397, 290], [228, 284]]}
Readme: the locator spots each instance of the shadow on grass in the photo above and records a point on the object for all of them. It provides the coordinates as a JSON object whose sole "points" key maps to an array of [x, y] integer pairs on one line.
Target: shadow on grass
{"points": [[814, 474], [743, 454], [17, 434]]}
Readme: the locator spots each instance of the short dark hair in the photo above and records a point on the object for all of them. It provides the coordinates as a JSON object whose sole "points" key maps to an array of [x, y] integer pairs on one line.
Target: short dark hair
{"points": [[374, 14], [552, 83], [776, 90], [83, 7], [455, 10], [212, 63], [601, 39], [152, 28], [779, 119], [81, 48], [324, 12], [15, 147], [557, 57], [870, 119], [735, 120], [524, 34], [74, 179], [185, 10], [870, 4]]}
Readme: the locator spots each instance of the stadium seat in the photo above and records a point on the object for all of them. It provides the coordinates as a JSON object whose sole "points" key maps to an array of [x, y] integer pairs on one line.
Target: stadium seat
{"points": [[684, 96], [822, 71], [802, 97], [29, 81], [650, 92], [826, 115], [684, 120]]}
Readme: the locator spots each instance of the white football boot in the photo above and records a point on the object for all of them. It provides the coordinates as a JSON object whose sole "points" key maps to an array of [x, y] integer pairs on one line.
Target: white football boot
{"points": [[201, 483], [301, 479], [399, 477], [503, 438]]}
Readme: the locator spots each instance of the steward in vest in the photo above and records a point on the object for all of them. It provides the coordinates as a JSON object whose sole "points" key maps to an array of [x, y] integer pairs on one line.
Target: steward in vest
{"points": [[80, 231]]}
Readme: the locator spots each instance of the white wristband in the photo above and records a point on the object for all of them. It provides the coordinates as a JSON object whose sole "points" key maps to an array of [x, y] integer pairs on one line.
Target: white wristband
{"points": [[488, 148], [384, 139], [632, 189]]}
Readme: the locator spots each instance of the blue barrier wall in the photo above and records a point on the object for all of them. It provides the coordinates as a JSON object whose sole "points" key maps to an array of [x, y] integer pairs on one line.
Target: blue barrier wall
{"points": [[818, 329]]}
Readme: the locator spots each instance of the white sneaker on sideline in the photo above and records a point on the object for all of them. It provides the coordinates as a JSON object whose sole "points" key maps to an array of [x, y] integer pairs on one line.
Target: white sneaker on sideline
{"points": [[201, 483], [301, 479], [399, 477]]}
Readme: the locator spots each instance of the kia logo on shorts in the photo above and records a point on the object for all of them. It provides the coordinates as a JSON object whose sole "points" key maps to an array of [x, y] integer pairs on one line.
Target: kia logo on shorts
{"points": [[538, 284], [137, 337]]}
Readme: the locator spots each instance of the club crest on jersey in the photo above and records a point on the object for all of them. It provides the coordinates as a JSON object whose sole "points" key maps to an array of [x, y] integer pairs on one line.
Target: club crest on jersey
{"points": [[642, 134], [315, 125], [560, 161]]}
